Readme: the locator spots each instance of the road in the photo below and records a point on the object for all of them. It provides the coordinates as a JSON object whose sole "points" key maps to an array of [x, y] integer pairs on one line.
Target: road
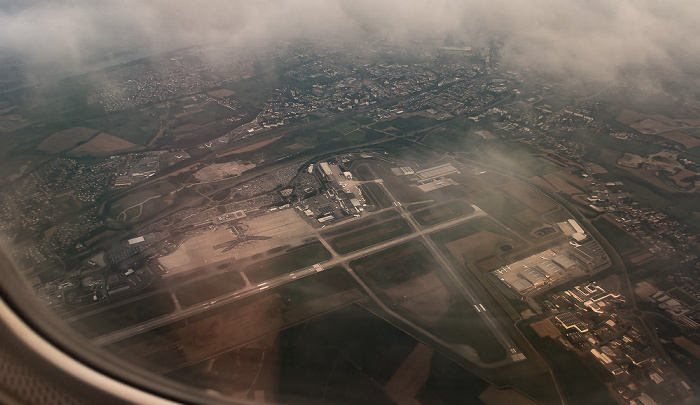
{"points": [[488, 318], [417, 231], [335, 260]]}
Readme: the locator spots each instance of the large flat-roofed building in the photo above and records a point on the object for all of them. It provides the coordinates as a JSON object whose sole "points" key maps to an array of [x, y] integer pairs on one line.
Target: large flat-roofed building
{"points": [[569, 320], [532, 272], [534, 276], [573, 229], [591, 292], [564, 261], [325, 167], [136, 240], [437, 171]]}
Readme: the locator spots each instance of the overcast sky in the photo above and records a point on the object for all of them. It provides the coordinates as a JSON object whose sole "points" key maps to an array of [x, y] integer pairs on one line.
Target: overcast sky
{"points": [[589, 38]]}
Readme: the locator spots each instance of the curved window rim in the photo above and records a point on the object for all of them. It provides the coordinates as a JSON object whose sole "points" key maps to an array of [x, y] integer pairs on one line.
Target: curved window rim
{"points": [[40, 330]]}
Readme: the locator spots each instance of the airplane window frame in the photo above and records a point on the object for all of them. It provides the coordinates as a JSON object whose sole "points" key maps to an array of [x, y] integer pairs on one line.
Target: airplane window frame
{"points": [[32, 326]]}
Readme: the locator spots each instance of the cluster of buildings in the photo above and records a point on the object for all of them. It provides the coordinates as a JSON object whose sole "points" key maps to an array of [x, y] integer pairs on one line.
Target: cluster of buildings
{"points": [[581, 255], [137, 167], [150, 81], [543, 126], [679, 303], [588, 322], [342, 197]]}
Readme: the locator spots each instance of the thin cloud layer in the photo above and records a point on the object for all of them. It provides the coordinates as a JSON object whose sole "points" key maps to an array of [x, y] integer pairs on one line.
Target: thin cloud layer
{"points": [[586, 39]]}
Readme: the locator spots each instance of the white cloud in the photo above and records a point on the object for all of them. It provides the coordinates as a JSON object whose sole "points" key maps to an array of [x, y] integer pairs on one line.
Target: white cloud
{"points": [[591, 38]]}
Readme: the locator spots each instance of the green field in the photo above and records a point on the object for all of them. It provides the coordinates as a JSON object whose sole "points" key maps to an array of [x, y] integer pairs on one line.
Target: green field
{"points": [[621, 240], [442, 212], [208, 288], [123, 316], [368, 236], [292, 260]]}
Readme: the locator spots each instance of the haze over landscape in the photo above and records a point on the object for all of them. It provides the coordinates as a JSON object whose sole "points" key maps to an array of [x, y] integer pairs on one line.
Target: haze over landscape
{"points": [[589, 41], [385, 202]]}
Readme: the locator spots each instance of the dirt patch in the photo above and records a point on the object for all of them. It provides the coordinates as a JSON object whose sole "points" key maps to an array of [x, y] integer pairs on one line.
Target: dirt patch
{"points": [[220, 171], [546, 329], [597, 169], [491, 263]]}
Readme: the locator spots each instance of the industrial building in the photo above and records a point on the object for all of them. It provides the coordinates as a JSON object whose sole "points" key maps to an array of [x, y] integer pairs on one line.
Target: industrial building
{"points": [[569, 320], [573, 229], [437, 171], [534, 271]]}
